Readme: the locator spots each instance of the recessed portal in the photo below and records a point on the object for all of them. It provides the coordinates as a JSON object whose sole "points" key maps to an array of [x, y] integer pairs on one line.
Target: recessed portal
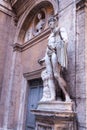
{"points": [[34, 96]]}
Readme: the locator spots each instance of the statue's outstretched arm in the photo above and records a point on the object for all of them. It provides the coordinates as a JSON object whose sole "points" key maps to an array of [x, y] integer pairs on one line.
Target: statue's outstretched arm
{"points": [[40, 61]]}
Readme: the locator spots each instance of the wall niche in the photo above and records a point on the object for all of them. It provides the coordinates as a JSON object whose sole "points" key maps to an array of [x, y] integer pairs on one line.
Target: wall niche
{"points": [[36, 22]]}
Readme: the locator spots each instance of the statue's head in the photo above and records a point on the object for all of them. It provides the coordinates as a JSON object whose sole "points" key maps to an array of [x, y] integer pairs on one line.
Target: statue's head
{"points": [[52, 19], [52, 22], [39, 15]]}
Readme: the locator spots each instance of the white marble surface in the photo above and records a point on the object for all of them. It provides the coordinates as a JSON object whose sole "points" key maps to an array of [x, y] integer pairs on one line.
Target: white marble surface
{"points": [[56, 106]]}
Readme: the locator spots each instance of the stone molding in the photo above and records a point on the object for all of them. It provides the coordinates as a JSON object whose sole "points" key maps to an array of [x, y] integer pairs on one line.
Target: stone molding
{"points": [[5, 8], [17, 47], [33, 75], [33, 3], [60, 106], [55, 120], [81, 4], [13, 2], [33, 41], [65, 115], [5, 4]]}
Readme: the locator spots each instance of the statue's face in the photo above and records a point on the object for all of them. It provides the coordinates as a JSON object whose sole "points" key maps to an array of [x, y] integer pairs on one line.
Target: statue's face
{"points": [[52, 24], [39, 16]]}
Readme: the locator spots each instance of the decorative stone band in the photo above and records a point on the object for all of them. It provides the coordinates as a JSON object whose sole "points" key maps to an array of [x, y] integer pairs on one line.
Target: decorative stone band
{"points": [[63, 115], [32, 42], [57, 106]]}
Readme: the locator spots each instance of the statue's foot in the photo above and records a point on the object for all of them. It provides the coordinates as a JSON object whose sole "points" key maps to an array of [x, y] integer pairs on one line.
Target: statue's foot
{"points": [[43, 99], [51, 99], [67, 99]]}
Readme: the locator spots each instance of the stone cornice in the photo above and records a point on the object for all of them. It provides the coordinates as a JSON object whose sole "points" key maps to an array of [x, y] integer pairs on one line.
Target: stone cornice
{"points": [[17, 47], [32, 42], [34, 74], [13, 2], [5, 8], [63, 115], [80, 4], [5, 4]]}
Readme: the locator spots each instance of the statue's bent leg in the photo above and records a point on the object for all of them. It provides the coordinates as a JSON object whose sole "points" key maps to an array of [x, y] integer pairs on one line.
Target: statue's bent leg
{"points": [[50, 75], [63, 86], [61, 81]]}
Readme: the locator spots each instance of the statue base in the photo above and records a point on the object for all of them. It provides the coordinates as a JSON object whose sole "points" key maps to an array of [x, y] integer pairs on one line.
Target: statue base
{"points": [[56, 106], [55, 115]]}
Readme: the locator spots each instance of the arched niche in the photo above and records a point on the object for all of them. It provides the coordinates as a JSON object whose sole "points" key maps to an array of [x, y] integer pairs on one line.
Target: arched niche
{"points": [[47, 7], [36, 25]]}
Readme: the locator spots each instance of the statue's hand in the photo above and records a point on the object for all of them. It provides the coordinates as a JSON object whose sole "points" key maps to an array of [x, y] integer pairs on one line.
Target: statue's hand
{"points": [[40, 61], [51, 47]]}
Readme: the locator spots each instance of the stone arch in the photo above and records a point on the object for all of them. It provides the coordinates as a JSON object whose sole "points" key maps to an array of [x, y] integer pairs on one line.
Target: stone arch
{"points": [[29, 11]]}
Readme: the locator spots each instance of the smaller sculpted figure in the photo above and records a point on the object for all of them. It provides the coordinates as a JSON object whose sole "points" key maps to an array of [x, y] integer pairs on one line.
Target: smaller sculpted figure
{"points": [[46, 91], [56, 58], [40, 24]]}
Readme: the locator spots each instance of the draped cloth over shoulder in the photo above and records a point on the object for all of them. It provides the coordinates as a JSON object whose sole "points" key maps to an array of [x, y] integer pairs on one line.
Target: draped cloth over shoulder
{"points": [[61, 47]]}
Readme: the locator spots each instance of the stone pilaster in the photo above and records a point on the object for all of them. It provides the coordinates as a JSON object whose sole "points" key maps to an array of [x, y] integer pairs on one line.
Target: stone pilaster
{"points": [[81, 78]]}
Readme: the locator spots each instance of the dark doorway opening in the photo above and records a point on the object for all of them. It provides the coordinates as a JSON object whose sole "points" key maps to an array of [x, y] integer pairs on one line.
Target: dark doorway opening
{"points": [[34, 96]]}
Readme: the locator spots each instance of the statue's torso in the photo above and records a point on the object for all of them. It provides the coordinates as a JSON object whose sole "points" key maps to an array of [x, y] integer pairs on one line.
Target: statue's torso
{"points": [[54, 41]]}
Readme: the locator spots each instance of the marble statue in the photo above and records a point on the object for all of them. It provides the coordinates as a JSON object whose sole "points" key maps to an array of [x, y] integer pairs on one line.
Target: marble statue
{"points": [[40, 24], [56, 58]]}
